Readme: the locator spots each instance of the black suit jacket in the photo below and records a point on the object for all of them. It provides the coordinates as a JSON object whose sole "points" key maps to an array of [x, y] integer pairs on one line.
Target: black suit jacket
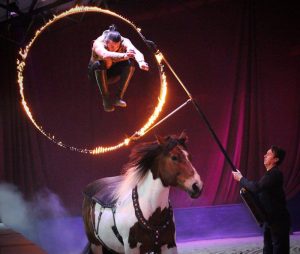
{"points": [[270, 193]]}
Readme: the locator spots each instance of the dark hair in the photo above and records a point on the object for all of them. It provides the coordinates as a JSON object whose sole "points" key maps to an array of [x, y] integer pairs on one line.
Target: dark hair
{"points": [[279, 153], [113, 34]]}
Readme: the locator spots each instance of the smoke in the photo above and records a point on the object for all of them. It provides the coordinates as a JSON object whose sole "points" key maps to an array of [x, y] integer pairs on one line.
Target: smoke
{"points": [[43, 220], [15, 212]]}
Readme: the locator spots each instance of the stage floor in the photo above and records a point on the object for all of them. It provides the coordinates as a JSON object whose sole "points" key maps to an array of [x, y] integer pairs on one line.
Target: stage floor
{"points": [[245, 245], [12, 242]]}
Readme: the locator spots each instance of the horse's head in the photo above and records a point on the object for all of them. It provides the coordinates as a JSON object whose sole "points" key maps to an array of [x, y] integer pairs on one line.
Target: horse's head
{"points": [[174, 167]]}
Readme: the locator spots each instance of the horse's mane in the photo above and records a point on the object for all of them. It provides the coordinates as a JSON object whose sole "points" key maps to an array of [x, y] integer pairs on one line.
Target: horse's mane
{"points": [[141, 159]]}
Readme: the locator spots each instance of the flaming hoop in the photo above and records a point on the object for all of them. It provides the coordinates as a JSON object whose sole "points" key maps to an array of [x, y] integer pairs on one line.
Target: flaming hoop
{"points": [[21, 63]]}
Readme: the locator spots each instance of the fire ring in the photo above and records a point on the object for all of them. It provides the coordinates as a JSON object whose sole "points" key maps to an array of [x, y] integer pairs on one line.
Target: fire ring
{"points": [[21, 63]]}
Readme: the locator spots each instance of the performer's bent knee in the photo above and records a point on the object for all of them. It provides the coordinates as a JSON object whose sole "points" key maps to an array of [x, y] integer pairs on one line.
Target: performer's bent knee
{"points": [[97, 65], [93, 66]]}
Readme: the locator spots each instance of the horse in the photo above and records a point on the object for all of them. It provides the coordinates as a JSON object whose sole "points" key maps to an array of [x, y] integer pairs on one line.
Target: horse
{"points": [[131, 213]]}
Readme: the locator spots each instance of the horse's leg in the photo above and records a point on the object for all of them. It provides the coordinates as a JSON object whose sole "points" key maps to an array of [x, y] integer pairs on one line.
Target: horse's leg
{"points": [[92, 249], [165, 250], [87, 249], [96, 249], [129, 250]]}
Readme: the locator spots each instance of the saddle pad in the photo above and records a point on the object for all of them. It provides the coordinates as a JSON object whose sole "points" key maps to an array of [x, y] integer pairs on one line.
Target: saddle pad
{"points": [[101, 190]]}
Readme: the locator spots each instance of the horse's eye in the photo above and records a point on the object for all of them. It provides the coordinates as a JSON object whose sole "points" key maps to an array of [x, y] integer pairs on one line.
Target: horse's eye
{"points": [[174, 158]]}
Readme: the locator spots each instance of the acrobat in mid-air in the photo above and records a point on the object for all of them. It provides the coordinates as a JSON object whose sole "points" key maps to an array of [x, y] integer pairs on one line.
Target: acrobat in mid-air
{"points": [[112, 59]]}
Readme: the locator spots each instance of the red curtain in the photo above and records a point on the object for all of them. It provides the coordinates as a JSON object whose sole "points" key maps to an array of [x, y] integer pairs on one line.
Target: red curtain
{"points": [[239, 59]]}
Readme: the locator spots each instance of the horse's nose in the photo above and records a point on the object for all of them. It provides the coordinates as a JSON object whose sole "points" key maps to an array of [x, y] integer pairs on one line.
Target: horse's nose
{"points": [[196, 190]]}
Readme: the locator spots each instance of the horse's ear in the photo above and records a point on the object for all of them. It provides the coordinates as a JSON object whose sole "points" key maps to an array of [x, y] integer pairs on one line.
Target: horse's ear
{"points": [[183, 138], [160, 140]]}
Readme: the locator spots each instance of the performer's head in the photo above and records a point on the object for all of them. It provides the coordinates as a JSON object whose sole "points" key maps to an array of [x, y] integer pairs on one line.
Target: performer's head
{"points": [[113, 38], [274, 156]]}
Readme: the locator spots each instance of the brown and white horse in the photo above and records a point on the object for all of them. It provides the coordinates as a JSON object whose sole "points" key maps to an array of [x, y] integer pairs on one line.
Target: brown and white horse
{"points": [[131, 213]]}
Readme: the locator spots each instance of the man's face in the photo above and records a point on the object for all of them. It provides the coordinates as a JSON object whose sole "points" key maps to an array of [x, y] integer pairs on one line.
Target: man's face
{"points": [[112, 46], [269, 159]]}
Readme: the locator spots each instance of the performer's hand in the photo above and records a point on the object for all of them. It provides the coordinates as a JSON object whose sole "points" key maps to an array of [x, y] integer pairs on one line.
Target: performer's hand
{"points": [[131, 51], [128, 55], [237, 175], [143, 65]]}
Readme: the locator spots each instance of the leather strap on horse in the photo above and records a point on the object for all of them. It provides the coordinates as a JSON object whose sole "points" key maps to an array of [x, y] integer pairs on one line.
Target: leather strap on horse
{"points": [[114, 227], [144, 223], [99, 217]]}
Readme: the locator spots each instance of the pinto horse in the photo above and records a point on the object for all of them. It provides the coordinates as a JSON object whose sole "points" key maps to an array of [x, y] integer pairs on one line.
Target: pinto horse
{"points": [[131, 213]]}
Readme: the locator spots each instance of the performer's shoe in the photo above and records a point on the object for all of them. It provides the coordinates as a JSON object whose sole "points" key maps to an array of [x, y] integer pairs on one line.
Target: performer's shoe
{"points": [[120, 103], [107, 106]]}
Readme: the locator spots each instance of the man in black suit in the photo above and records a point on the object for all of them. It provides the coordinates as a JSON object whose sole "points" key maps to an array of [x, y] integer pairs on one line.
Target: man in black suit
{"points": [[270, 193]]}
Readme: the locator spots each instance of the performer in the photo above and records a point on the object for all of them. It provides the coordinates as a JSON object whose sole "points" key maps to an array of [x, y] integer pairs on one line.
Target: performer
{"points": [[112, 57], [269, 190]]}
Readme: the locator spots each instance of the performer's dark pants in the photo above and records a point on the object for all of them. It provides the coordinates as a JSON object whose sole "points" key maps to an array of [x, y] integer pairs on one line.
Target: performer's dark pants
{"points": [[99, 73], [276, 238], [117, 69]]}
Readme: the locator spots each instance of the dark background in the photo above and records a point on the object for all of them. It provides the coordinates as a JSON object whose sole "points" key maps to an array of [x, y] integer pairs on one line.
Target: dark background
{"points": [[239, 59]]}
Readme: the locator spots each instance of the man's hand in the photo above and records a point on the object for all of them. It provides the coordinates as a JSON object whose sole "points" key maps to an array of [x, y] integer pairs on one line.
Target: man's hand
{"points": [[143, 65], [128, 55], [237, 175]]}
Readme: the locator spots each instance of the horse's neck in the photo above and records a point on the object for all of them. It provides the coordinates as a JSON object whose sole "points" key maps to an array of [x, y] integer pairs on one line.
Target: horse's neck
{"points": [[152, 194]]}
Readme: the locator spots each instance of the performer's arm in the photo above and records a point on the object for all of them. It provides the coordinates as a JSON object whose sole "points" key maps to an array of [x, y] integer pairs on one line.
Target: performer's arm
{"points": [[244, 182], [138, 56], [265, 182], [250, 185], [103, 53]]}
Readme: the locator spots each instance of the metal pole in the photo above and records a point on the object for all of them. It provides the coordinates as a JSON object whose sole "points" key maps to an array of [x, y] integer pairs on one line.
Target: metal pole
{"points": [[170, 114], [203, 116], [154, 48]]}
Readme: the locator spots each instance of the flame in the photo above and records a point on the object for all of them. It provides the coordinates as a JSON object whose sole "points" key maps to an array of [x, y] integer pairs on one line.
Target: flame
{"points": [[21, 63]]}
